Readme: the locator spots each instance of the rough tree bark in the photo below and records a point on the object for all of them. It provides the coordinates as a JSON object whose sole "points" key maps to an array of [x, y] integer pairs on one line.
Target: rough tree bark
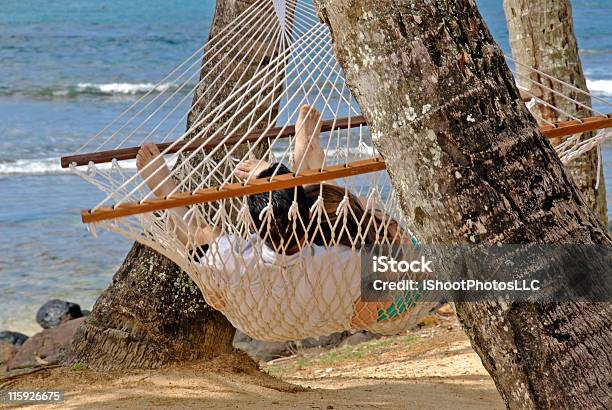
{"points": [[542, 36], [152, 313], [470, 166]]}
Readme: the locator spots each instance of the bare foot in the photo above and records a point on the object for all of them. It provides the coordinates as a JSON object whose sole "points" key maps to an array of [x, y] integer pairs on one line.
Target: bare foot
{"points": [[153, 170], [307, 153], [250, 168]]}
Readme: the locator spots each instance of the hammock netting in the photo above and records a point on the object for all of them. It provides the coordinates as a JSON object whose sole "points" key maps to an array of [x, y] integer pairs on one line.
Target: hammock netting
{"points": [[241, 95]]}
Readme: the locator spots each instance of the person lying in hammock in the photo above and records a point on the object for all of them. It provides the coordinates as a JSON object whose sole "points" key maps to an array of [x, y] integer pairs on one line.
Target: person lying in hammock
{"points": [[308, 155], [317, 282]]}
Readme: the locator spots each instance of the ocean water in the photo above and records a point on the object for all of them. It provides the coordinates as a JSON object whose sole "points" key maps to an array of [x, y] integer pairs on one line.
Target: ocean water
{"points": [[69, 67]]}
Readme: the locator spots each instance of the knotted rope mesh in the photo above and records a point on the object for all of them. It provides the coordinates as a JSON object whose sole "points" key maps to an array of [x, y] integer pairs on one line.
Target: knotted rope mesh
{"points": [[241, 93]]}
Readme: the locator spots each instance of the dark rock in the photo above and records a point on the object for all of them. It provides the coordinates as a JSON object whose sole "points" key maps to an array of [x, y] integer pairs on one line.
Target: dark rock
{"points": [[14, 338], [7, 352], [86, 312], [332, 340], [359, 338], [260, 350], [56, 311], [240, 337], [267, 351], [45, 347]]}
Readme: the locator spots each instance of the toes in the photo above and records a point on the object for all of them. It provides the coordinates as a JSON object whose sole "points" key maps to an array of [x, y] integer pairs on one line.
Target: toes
{"points": [[143, 152], [151, 150], [314, 114]]}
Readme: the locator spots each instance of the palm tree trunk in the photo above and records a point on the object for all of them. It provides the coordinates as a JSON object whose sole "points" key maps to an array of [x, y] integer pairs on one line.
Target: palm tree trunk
{"points": [[152, 313], [470, 166], [542, 36]]}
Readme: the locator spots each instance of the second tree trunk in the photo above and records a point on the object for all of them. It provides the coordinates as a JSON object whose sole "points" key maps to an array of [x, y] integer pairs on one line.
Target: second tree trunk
{"points": [[542, 36]]}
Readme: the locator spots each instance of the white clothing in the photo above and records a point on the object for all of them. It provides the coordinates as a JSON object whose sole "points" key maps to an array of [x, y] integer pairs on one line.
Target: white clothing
{"points": [[271, 296]]}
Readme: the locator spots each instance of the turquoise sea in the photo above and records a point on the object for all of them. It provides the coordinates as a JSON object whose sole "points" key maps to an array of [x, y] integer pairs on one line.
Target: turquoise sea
{"points": [[69, 67]]}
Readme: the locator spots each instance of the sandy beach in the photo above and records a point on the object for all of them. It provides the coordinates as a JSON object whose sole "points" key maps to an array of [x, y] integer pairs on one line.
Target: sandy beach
{"points": [[433, 368]]}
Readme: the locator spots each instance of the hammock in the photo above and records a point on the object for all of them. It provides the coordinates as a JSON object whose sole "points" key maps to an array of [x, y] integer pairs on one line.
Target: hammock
{"points": [[247, 86]]}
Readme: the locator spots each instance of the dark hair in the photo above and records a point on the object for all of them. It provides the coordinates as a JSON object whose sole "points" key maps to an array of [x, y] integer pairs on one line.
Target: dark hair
{"points": [[362, 226], [280, 233], [329, 231]]}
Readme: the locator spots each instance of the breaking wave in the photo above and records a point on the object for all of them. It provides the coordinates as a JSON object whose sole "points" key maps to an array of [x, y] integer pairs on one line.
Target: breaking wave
{"points": [[93, 89], [45, 166], [600, 87], [122, 88]]}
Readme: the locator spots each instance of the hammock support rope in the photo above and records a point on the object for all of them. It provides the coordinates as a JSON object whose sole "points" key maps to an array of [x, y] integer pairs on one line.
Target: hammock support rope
{"points": [[556, 130]]}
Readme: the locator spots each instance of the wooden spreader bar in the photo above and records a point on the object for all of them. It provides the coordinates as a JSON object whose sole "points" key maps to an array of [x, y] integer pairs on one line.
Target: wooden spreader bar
{"points": [[561, 129], [566, 128], [256, 186], [191, 145]]}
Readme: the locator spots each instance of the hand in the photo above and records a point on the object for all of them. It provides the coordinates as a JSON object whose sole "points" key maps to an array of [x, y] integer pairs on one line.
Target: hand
{"points": [[250, 169]]}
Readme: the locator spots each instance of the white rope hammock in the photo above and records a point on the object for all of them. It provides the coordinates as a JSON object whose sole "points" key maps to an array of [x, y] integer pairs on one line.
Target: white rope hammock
{"points": [[249, 83]]}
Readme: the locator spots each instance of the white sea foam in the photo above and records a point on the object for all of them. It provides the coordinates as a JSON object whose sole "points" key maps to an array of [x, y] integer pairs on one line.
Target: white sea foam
{"points": [[123, 88], [600, 87], [46, 166], [40, 166]]}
